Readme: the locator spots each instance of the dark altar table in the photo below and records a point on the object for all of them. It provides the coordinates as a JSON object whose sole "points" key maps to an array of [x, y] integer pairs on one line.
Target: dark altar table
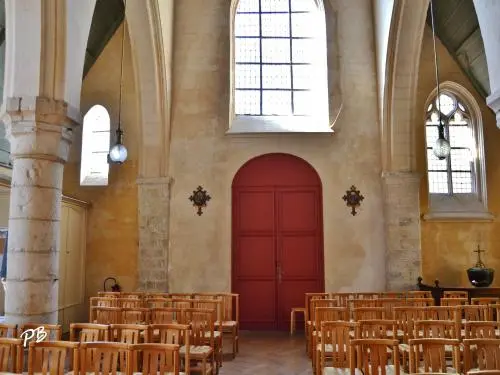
{"points": [[438, 290]]}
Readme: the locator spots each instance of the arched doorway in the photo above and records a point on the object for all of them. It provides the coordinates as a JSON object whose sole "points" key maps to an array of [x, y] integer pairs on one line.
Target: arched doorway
{"points": [[277, 242]]}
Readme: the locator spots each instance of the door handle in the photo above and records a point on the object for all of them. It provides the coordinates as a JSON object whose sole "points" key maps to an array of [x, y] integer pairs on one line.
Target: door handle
{"points": [[278, 270]]}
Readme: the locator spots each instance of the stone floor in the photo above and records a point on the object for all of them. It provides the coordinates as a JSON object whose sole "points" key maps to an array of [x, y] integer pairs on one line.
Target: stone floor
{"points": [[268, 353]]}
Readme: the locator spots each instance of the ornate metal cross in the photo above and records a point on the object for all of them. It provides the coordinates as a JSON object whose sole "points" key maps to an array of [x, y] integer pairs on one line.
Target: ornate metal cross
{"points": [[199, 199], [353, 199], [479, 262]]}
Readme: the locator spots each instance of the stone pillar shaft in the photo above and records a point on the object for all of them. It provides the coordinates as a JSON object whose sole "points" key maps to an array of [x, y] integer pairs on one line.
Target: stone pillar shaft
{"points": [[40, 135], [402, 213], [154, 213]]}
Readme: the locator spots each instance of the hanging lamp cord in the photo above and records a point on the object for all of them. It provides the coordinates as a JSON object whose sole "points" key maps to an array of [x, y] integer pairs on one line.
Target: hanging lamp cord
{"points": [[121, 75], [436, 66]]}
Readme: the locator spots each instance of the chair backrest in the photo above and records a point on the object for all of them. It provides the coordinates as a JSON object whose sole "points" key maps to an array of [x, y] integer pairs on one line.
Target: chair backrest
{"points": [[85, 332], [399, 295], [389, 304], [368, 295], [209, 304], [307, 304], [130, 302], [53, 331], [475, 312], [483, 354], [132, 295], [49, 357], [484, 301], [230, 306], [11, 355], [420, 302], [109, 294], [356, 303], [376, 329], [156, 295], [107, 315], [372, 356], [368, 313], [406, 317], [104, 301], [455, 294], [182, 303], [419, 294], [155, 359], [202, 326], [163, 315], [177, 334], [342, 298], [135, 315], [324, 314], [181, 295], [8, 330], [152, 302], [316, 303], [443, 329], [105, 358], [481, 330], [129, 333], [454, 301], [429, 355]]}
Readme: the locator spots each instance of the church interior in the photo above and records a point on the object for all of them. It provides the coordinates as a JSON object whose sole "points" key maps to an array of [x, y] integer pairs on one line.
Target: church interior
{"points": [[249, 186]]}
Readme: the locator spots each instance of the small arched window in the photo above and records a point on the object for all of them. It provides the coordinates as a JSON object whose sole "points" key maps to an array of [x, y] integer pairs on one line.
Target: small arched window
{"points": [[457, 184], [280, 78], [94, 167]]}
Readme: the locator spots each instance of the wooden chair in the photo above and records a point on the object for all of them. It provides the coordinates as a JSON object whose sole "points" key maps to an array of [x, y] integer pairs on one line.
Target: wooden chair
{"points": [[202, 341], [481, 330], [8, 330], [455, 294], [129, 333], [343, 298], [135, 315], [332, 351], [368, 313], [486, 354], [406, 316], [155, 359], [443, 329], [180, 295], [371, 356], [156, 295], [418, 294], [309, 316], [177, 334], [389, 304], [107, 315], [132, 295], [105, 358], [49, 357], [325, 314], [11, 355], [87, 332], [230, 318], [494, 312], [357, 303], [104, 301], [53, 331], [398, 295], [367, 295], [429, 355]]}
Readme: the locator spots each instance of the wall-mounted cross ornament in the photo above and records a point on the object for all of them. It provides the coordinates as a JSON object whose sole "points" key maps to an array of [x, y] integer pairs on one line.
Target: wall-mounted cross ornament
{"points": [[199, 199], [353, 199]]}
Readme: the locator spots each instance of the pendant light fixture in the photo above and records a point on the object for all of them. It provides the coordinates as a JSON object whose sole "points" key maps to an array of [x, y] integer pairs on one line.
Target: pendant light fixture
{"points": [[442, 147], [118, 153]]}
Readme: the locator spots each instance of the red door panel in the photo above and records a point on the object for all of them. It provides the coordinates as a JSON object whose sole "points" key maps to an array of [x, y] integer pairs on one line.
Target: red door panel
{"points": [[277, 239]]}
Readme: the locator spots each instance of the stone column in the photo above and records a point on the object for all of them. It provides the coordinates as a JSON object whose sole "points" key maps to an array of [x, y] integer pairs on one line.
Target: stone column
{"points": [[402, 217], [154, 213], [39, 132]]}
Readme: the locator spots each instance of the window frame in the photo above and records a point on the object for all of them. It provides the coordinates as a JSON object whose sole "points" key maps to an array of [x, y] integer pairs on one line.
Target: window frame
{"points": [[88, 130], [318, 123], [460, 206]]}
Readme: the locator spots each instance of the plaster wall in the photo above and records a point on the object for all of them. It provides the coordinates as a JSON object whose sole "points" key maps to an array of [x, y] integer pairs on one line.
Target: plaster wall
{"points": [[447, 247], [112, 228], [202, 154]]}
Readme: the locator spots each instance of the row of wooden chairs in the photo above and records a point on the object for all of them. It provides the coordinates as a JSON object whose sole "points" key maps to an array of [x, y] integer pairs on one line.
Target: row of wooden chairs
{"points": [[60, 357], [144, 295]]}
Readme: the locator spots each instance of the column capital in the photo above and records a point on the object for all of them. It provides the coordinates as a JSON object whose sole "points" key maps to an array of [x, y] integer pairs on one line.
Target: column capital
{"points": [[38, 128]]}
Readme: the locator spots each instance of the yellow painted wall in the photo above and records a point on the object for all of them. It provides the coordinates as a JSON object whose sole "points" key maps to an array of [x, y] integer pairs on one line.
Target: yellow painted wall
{"points": [[447, 247], [112, 233]]}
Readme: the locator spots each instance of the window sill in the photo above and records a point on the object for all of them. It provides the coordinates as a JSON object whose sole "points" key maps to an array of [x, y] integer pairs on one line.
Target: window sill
{"points": [[459, 216], [279, 124]]}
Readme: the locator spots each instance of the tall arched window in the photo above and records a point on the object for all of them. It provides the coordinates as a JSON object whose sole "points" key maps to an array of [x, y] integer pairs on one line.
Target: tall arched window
{"points": [[457, 184], [94, 167], [280, 79]]}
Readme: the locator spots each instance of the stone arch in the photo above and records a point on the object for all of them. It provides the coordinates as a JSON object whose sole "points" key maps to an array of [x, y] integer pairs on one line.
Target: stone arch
{"points": [[148, 24]]}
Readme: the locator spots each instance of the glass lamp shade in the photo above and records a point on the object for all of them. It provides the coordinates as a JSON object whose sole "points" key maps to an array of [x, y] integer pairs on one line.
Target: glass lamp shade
{"points": [[118, 153], [441, 148]]}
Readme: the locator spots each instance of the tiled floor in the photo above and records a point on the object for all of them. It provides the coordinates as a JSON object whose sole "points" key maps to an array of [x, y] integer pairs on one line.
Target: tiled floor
{"points": [[268, 353]]}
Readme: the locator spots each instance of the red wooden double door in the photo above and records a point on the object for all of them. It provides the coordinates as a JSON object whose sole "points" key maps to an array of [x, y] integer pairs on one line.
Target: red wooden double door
{"points": [[277, 239]]}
